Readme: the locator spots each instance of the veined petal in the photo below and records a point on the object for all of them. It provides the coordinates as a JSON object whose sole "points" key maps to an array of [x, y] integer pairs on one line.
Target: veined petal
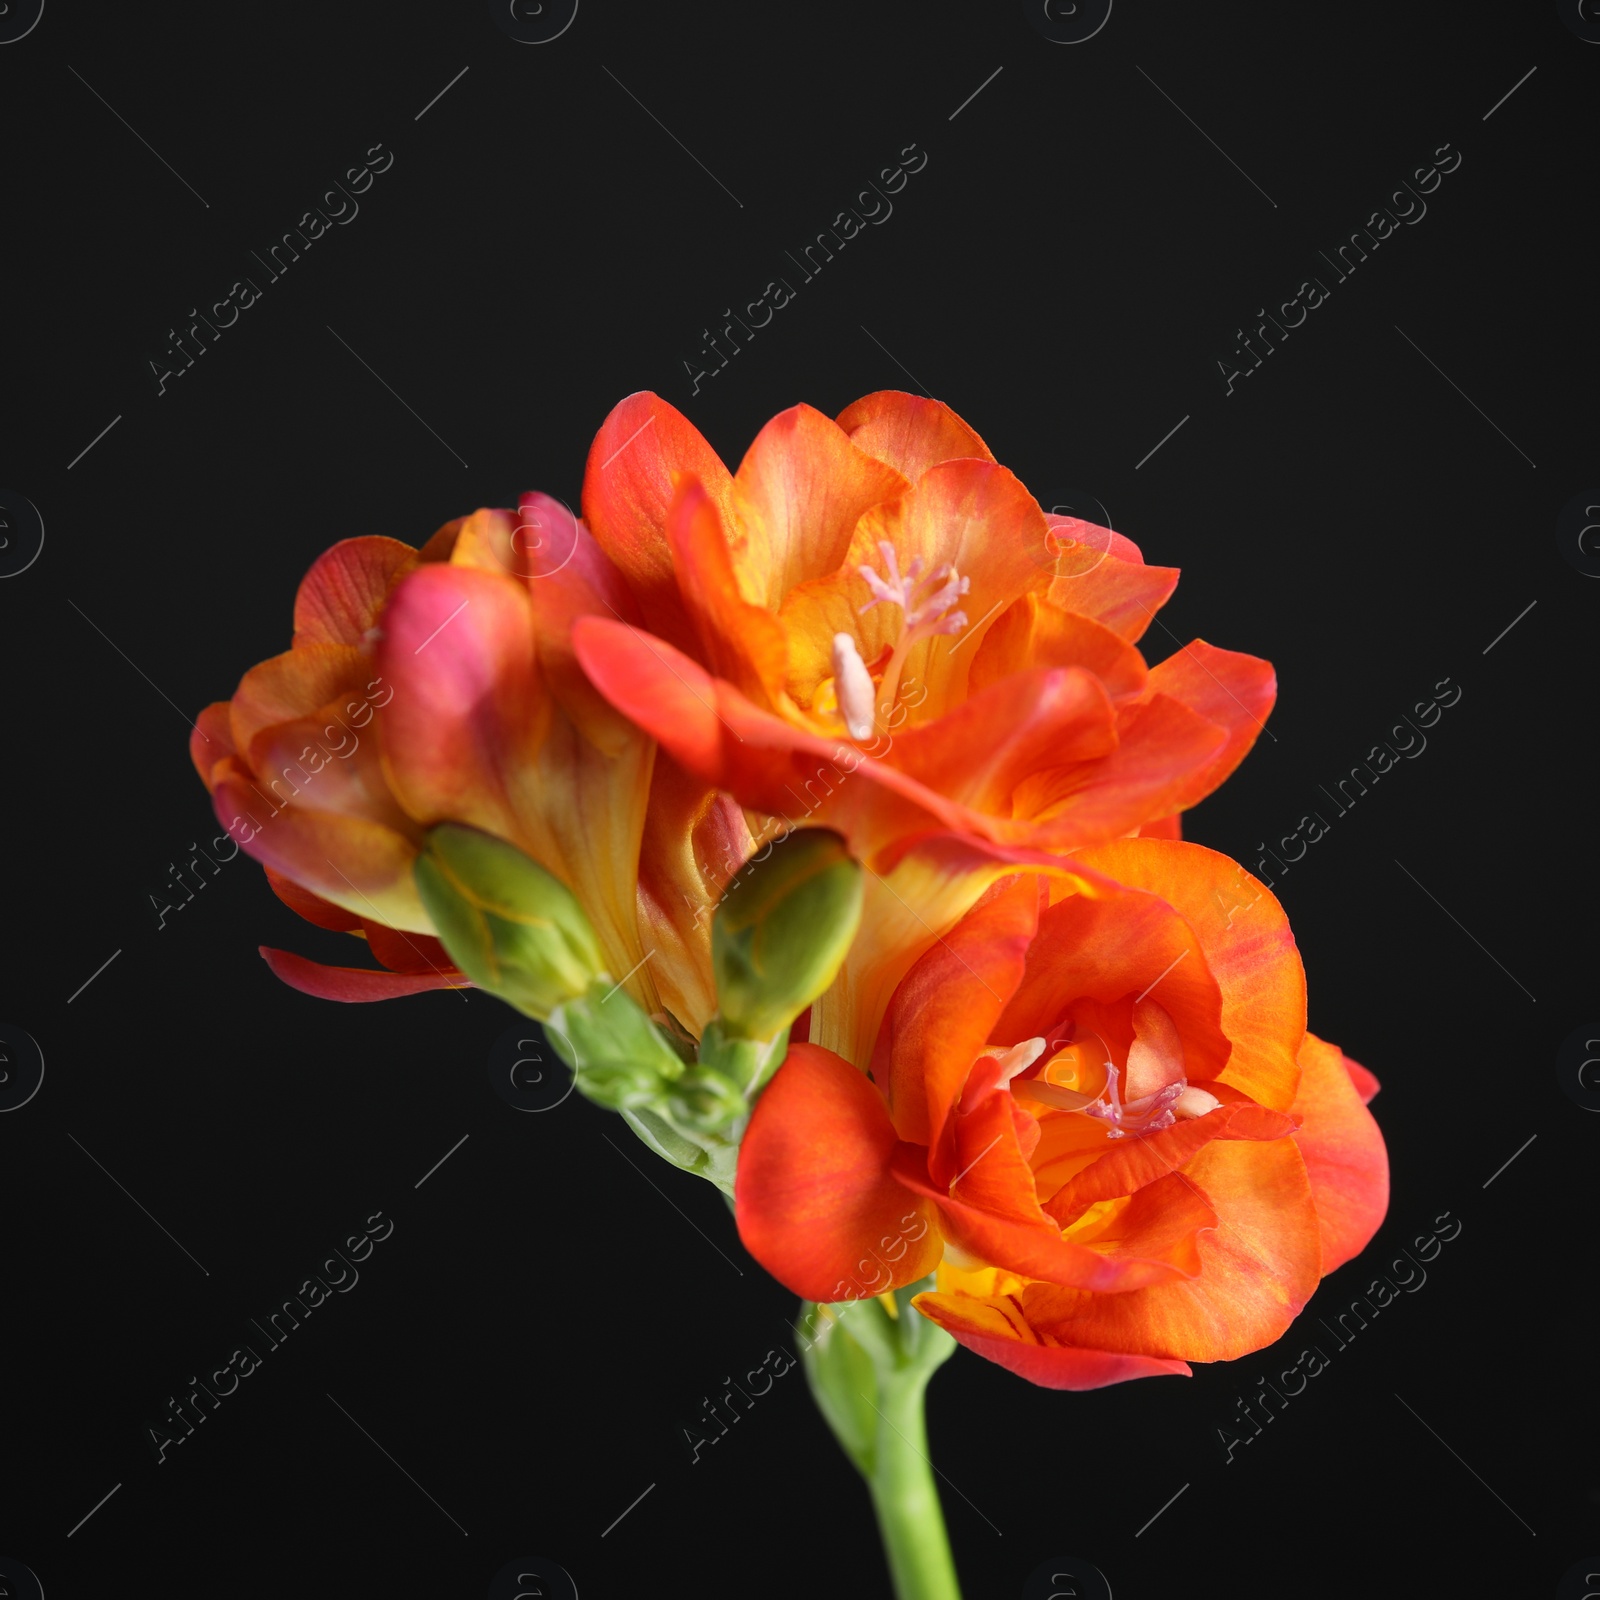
{"points": [[1123, 594], [1258, 1267], [340, 597], [627, 491], [910, 433], [1343, 1151], [1234, 691], [1247, 947], [354, 984], [296, 684], [998, 1330], [1036, 633], [815, 1200], [797, 496]]}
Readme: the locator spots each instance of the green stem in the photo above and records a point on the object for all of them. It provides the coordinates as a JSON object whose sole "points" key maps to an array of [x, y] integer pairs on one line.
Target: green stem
{"points": [[910, 1519], [869, 1369]]}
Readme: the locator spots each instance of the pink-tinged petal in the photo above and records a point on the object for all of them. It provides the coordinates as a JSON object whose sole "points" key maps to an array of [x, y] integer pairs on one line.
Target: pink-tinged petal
{"points": [[815, 1200], [354, 984], [1035, 633], [342, 594], [1123, 594], [1246, 945], [1258, 1267], [627, 491], [357, 864], [797, 496], [211, 741], [323, 913], [1343, 1151], [568, 577], [910, 433], [1234, 691], [467, 715], [1366, 1083], [410, 953], [998, 1331], [944, 1010]]}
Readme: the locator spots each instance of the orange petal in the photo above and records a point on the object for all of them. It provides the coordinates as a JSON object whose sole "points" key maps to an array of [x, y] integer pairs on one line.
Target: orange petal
{"points": [[740, 642], [1234, 691], [815, 1200], [1366, 1084], [627, 490], [1344, 1153], [297, 683], [1036, 633], [1164, 828], [998, 1330], [1247, 946], [1123, 594], [944, 1011], [910, 433], [1258, 1267], [342, 594], [797, 497], [211, 741]]}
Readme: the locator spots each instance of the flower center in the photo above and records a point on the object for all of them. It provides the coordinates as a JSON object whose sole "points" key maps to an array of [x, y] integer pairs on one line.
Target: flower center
{"points": [[925, 611], [1149, 1114]]}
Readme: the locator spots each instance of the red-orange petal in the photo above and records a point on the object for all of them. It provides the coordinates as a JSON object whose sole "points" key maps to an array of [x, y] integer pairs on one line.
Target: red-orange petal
{"points": [[1343, 1151], [816, 1202], [356, 985], [1124, 594], [323, 913], [342, 594], [627, 490]]}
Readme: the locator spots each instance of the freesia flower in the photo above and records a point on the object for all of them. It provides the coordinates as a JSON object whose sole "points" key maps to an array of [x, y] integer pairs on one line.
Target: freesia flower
{"points": [[431, 686], [1099, 1095], [871, 625]]}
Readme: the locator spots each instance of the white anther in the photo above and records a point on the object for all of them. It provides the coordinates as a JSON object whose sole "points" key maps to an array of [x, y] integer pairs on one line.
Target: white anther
{"points": [[853, 685]]}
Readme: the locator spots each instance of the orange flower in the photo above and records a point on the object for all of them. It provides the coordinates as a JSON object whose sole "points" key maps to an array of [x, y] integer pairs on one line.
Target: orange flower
{"points": [[872, 626], [430, 686], [1095, 1109]]}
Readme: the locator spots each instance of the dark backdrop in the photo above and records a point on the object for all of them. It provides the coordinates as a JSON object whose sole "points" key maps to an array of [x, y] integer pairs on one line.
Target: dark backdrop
{"points": [[1072, 269]]}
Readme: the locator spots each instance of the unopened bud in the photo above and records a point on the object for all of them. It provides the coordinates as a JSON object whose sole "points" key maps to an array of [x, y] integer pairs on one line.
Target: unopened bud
{"points": [[783, 930], [513, 928]]}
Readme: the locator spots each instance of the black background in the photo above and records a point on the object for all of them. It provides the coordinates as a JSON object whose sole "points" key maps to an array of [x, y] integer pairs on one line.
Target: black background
{"points": [[1065, 271]]}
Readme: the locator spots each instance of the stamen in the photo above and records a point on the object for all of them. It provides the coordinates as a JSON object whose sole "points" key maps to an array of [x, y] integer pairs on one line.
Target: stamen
{"points": [[853, 685], [1195, 1103], [924, 604]]}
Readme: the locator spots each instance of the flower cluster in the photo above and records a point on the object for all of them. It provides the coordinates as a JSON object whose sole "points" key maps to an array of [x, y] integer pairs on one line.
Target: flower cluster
{"points": [[827, 812]]}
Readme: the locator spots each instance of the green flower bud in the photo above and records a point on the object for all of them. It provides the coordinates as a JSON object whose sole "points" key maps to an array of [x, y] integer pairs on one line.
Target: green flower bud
{"points": [[619, 1058], [782, 931], [511, 926]]}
